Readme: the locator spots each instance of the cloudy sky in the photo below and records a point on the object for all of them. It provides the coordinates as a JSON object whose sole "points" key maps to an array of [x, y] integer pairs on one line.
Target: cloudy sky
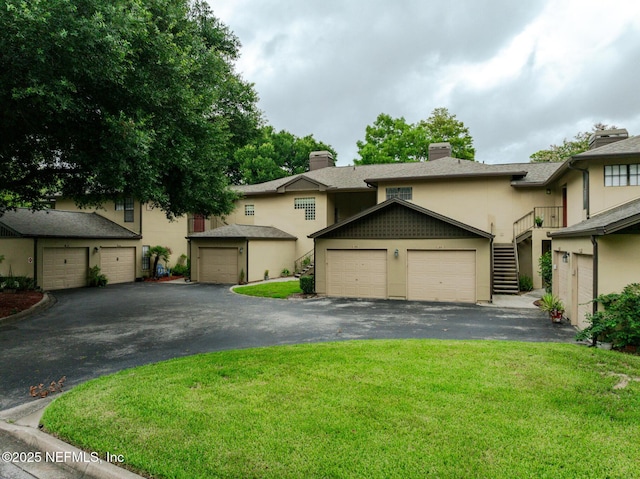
{"points": [[521, 75]]}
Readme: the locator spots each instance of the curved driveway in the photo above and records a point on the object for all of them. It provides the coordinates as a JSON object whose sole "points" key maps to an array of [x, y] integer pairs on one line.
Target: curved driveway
{"points": [[92, 332]]}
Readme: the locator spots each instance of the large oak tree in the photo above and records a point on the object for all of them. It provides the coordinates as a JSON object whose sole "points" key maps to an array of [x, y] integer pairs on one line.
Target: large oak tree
{"points": [[121, 97]]}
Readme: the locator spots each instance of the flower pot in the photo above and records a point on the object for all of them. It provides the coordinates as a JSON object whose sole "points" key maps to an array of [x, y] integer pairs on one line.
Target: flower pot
{"points": [[556, 316]]}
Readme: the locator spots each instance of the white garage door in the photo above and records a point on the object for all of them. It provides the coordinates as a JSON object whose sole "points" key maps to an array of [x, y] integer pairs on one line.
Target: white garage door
{"points": [[64, 268], [441, 276], [118, 264], [218, 265], [584, 274], [357, 273]]}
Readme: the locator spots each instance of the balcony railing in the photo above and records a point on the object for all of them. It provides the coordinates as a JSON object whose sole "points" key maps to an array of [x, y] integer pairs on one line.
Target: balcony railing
{"points": [[551, 216]]}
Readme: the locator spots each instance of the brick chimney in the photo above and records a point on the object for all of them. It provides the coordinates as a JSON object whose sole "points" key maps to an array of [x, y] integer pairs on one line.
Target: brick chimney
{"points": [[439, 150], [320, 159], [604, 137]]}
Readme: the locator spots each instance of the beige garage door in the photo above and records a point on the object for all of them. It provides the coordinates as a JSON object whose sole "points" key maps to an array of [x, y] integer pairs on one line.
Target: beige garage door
{"points": [[64, 268], [357, 273], [562, 276], [441, 276], [118, 264], [218, 265], [584, 275]]}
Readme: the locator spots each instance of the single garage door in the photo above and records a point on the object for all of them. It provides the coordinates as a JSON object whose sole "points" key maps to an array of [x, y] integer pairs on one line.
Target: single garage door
{"points": [[118, 264], [218, 265], [64, 268], [441, 276], [584, 275], [357, 273]]}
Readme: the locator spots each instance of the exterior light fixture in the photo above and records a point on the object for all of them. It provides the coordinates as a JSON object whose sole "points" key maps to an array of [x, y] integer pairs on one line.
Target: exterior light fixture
{"points": [[565, 257], [240, 250], [96, 249], [396, 253], [548, 191]]}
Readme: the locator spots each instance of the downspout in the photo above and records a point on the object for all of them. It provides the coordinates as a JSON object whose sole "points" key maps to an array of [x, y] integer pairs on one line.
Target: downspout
{"points": [[585, 181], [35, 261], [140, 218], [189, 257], [594, 242]]}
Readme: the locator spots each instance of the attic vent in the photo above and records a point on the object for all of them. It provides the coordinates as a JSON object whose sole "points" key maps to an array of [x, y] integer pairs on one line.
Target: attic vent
{"points": [[604, 137]]}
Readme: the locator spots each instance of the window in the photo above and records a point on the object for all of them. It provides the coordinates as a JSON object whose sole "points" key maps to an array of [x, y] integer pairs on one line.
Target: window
{"points": [[249, 210], [402, 193], [146, 260], [622, 175], [308, 205], [126, 205]]}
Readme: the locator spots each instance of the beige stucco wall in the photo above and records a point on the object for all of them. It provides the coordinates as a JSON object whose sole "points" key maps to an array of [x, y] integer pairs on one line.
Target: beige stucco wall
{"points": [[489, 204], [603, 198], [397, 267], [108, 210], [17, 252], [272, 255], [196, 244], [277, 210], [158, 230], [618, 262]]}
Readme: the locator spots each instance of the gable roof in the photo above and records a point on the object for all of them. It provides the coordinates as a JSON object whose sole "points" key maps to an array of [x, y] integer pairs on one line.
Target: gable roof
{"points": [[61, 224], [358, 178], [244, 232], [608, 222], [621, 148], [396, 218]]}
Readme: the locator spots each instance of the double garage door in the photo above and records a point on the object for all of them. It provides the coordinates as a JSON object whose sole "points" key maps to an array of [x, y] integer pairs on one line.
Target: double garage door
{"points": [[218, 265], [431, 275]]}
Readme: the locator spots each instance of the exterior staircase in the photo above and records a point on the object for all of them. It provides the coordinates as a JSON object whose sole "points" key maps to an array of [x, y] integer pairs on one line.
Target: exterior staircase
{"points": [[505, 269], [306, 271], [304, 265]]}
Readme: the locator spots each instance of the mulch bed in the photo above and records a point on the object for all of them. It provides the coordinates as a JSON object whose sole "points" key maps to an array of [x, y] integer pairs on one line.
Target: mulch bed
{"points": [[12, 303], [163, 279]]}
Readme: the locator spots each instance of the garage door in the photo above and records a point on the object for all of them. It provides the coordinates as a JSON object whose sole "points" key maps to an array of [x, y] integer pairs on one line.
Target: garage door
{"points": [[441, 276], [64, 268], [118, 264], [357, 273], [218, 265], [584, 275]]}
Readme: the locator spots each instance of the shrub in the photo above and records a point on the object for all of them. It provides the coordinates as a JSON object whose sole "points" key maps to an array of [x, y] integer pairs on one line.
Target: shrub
{"points": [[96, 279], [619, 322], [525, 283], [18, 283], [306, 284], [550, 302], [285, 272], [546, 270], [158, 253]]}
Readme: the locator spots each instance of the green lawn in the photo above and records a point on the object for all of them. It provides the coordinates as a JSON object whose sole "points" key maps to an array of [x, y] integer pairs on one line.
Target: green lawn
{"points": [[403, 408], [275, 289]]}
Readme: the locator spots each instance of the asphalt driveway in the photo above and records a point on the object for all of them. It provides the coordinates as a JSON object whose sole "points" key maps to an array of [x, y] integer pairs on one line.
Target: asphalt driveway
{"points": [[92, 332]]}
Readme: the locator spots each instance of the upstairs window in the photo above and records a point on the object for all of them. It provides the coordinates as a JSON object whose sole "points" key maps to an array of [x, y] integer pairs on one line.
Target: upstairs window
{"points": [[405, 193], [126, 205], [622, 175], [308, 205], [249, 210]]}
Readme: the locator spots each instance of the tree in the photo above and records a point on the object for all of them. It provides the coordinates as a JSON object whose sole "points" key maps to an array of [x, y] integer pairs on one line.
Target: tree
{"points": [[274, 155], [121, 98], [568, 148], [393, 140], [158, 253]]}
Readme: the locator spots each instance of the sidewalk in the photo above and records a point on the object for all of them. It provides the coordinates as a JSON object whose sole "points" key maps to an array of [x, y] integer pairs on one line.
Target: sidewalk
{"points": [[28, 453]]}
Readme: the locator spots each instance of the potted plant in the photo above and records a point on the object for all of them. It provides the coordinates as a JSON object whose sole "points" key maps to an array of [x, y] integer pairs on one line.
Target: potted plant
{"points": [[552, 305], [539, 220], [266, 274]]}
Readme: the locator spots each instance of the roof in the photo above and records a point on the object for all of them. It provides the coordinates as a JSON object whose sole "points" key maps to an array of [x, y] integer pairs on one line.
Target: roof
{"points": [[406, 204], [355, 178], [62, 224], [244, 232], [605, 223], [628, 147]]}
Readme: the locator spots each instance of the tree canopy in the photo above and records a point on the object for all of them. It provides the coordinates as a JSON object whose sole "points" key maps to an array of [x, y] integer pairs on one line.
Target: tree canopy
{"points": [[393, 140], [126, 97], [274, 155], [568, 148]]}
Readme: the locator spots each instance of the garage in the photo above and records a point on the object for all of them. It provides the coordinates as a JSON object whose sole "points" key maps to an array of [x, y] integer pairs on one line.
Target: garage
{"points": [[357, 273], [218, 265], [562, 268], [584, 289], [441, 276], [65, 268], [118, 264]]}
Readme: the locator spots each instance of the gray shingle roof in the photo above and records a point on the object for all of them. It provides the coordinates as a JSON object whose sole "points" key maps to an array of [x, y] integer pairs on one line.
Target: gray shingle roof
{"points": [[63, 224], [356, 177], [244, 232], [628, 147], [605, 223]]}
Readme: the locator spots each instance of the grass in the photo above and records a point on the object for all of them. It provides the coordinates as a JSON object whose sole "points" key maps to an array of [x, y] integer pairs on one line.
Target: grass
{"points": [[413, 408], [274, 289]]}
